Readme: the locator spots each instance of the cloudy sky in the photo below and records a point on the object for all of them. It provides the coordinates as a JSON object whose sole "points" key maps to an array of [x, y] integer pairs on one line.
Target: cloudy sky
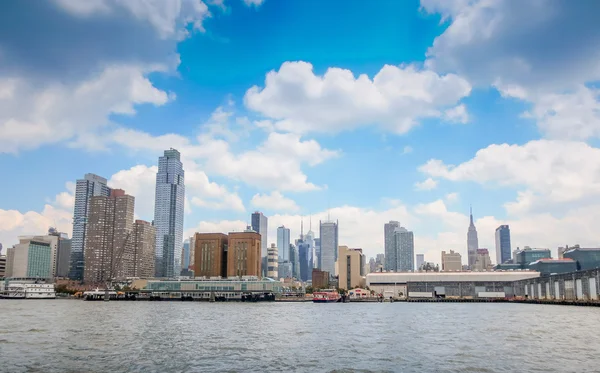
{"points": [[394, 110]]}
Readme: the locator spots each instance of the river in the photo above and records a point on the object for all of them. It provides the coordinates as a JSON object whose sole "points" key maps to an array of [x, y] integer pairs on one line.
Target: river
{"points": [[77, 336]]}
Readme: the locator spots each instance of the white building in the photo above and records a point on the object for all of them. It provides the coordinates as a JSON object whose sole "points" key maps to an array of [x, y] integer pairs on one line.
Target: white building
{"points": [[329, 245], [168, 214]]}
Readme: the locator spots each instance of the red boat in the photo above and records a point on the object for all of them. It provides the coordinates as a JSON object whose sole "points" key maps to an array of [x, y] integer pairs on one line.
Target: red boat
{"points": [[326, 297]]}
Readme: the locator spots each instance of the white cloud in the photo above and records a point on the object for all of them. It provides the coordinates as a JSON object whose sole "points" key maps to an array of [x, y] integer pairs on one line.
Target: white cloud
{"points": [[552, 172], [395, 99], [32, 117], [274, 202], [407, 149], [451, 197], [428, 184], [169, 18], [255, 3], [457, 114]]}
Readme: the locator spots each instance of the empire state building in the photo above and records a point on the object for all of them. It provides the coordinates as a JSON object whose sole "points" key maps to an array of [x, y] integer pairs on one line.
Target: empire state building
{"points": [[472, 242]]}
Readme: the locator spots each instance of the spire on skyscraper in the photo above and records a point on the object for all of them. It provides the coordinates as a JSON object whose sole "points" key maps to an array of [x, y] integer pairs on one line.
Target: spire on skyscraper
{"points": [[471, 214]]}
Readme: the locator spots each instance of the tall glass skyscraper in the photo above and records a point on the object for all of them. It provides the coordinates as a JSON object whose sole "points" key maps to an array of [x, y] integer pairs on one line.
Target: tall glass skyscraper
{"points": [[283, 243], [329, 245], [168, 214], [502, 244], [91, 185], [259, 224], [389, 245], [405, 249]]}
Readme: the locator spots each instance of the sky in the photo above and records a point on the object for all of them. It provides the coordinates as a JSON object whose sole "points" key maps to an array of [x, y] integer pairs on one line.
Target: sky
{"points": [[302, 109]]}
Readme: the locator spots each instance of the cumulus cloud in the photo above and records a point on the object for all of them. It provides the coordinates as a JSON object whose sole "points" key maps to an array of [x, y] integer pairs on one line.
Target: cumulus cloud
{"points": [[451, 197], [275, 201], [395, 99], [428, 184], [552, 172], [14, 223]]}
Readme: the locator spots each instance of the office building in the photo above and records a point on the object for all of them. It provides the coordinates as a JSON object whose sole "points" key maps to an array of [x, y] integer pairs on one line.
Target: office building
{"points": [[285, 269], [304, 251], [503, 244], [309, 240], [420, 260], [472, 242], [586, 258], [390, 263], [404, 250], [91, 185], [244, 254], [192, 253], [283, 242], [63, 257], [31, 258], [295, 260], [328, 233], [185, 257], [349, 267], [528, 255], [451, 261], [549, 266], [260, 224], [168, 214], [272, 261], [320, 279], [210, 254], [482, 260], [141, 260], [109, 242], [317, 258]]}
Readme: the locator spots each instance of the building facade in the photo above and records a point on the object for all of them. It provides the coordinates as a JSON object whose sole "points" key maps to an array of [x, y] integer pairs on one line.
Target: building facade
{"points": [[349, 267], [420, 260], [283, 242], [586, 258], [320, 279], [390, 263], [2, 266], [244, 254], [503, 250], [548, 267], [91, 185], [210, 254], [260, 224], [404, 250], [328, 233], [317, 258], [304, 251], [141, 264], [168, 214], [272, 261], [482, 260], [528, 255], [109, 243], [472, 242], [451, 261], [30, 258], [185, 256]]}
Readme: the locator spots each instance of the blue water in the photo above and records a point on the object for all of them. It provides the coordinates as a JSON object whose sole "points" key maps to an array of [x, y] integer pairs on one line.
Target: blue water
{"points": [[78, 336]]}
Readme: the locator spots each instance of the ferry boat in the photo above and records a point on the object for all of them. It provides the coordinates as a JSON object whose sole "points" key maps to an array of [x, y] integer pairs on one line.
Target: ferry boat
{"points": [[27, 290], [326, 297], [98, 294]]}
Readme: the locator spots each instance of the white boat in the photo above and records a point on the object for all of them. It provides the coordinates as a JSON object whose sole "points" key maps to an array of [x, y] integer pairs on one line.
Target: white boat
{"points": [[23, 290], [98, 294]]}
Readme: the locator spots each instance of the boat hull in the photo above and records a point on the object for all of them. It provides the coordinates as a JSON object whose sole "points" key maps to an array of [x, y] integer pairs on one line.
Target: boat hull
{"points": [[325, 300]]}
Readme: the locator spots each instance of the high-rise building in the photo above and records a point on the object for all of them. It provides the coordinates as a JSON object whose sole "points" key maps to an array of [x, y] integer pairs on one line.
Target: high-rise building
{"points": [[63, 257], [502, 244], [210, 254], [283, 242], [309, 240], [305, 263], [272, 260], [243, 254], [328, 233], [420, 260], [482, 261], [2, 266], [141, 260], [192, 253], [53, 239], [30, 258], [91, 185], [168, 214], [109, 249], [451, 261], [317, 258], [260, 224], [185, 256], [404, 250], [10, 260], [390, 245], [472, 242], [349, 267], [295, 260]]}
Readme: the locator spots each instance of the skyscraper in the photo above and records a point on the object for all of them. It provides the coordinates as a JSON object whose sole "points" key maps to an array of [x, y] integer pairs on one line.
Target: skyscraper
{"points": [[309, 240], [328, 232], [260, 225], [472, 242], [389, 245], [317, 259], [141, 263], [185, 256], [168, 214], [91, 185], [502, 244], [283, 243], [420, 260], [405, 249], [109, 243]]}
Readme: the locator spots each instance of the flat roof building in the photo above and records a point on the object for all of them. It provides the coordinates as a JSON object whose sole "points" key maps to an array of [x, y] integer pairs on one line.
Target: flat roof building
{"points": [[244, 254], [210, 254]]}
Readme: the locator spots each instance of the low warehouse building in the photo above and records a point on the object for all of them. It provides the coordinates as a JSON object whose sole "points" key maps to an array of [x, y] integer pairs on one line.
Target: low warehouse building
{"points": [[446, 284]]}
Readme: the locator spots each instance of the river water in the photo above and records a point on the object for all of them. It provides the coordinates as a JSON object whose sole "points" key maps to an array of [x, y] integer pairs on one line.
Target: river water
{"points": [[78, 336]]}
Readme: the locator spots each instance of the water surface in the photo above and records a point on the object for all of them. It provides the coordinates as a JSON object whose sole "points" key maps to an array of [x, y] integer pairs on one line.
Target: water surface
{"points": [[77, 336]]}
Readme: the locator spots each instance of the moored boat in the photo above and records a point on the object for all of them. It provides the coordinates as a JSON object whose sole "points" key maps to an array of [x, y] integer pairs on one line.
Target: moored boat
{"points": [[27, 289], [326, 297]]}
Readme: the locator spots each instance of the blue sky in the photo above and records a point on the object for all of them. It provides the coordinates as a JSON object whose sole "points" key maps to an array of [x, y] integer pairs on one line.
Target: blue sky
{"points": [[407, 110]]}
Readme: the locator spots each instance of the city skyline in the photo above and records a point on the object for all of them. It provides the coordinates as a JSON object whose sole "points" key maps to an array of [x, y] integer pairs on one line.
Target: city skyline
{"points": [[312, 128]]}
